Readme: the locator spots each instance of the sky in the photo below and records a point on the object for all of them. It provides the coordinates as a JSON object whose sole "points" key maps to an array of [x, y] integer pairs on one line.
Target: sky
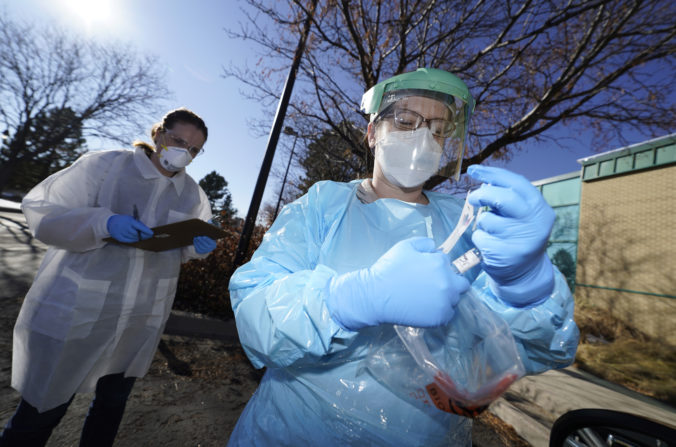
{"points": [[189, 39]]}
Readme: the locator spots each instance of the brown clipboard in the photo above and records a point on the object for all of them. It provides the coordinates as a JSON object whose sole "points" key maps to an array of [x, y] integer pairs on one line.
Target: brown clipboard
{"points": [[175, 235]]}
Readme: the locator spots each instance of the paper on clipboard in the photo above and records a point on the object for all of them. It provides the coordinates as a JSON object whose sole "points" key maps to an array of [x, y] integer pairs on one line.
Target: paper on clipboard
{"points": [[175, 235]]}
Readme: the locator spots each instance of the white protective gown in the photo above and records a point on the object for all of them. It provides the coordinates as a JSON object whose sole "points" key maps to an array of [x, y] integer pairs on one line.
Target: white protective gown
{"points": [[315, 390], [98, 308]]}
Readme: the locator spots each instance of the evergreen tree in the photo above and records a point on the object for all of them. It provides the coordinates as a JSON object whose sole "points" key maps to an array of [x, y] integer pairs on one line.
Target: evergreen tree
{"points": [[220, 199], [331, 157], [52, 141]]}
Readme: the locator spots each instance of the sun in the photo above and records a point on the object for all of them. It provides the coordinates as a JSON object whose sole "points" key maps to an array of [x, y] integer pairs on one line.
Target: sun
{"points": [[91, 11]]}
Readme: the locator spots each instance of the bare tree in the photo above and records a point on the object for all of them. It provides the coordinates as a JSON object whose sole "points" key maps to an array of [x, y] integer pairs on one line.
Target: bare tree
{"points": [[604, 65], [107, 91]]}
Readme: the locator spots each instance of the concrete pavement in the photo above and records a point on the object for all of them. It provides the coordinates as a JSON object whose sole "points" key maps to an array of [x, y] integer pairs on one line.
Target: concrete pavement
{"points": [[191, 325], [533, 403], [9, 205]]}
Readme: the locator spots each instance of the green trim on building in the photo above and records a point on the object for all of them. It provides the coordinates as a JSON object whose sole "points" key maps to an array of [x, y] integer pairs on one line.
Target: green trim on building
{"points": [[638, 157], [615, 289]]}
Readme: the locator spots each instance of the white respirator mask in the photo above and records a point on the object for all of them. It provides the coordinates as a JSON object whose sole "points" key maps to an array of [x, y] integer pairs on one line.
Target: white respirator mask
{"points": [[174, 158], [408, 158]]}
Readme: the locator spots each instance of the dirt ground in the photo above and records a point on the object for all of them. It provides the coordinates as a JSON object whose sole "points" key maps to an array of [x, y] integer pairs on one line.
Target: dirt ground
{"points": [[192, 396]]}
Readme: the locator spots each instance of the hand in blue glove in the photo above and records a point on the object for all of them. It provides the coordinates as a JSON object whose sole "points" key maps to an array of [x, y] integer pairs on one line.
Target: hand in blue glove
{"points": [[412, 284], [203, 244], [512, 237], [125, 228]]}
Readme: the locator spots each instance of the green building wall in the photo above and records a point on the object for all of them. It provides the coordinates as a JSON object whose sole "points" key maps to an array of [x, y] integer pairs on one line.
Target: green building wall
{"points": [[562, 193]]}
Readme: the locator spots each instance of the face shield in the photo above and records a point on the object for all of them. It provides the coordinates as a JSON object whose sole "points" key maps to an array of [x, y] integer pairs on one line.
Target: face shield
{"points": [[425, 99]]}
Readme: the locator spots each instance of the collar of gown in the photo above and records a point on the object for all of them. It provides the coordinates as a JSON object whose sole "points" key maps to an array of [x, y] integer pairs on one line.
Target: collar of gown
{"points": [[366, 194], [149, 171]]}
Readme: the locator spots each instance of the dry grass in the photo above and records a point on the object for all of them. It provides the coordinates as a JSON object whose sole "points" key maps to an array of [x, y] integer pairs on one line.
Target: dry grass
{"points": [[616, 352], [488, 431]]}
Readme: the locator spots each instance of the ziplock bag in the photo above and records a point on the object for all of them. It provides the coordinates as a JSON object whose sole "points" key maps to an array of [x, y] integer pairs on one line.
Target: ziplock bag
{"points": [[458, 368]]}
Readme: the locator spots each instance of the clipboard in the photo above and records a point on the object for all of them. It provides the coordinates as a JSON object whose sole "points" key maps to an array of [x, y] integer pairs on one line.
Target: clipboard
{"points": [[175, 235]]}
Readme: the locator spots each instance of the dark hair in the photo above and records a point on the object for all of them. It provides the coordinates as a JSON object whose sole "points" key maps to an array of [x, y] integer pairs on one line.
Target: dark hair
{"points": [[180, 115]]}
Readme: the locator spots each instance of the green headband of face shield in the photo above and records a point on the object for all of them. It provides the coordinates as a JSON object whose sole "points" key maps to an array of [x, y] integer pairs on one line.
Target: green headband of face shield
{"points": [[422, 79], [436, 84]]}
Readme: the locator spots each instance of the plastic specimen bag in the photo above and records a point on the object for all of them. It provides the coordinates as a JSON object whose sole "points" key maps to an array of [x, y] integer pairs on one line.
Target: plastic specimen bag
{"points": [[459, 368]]}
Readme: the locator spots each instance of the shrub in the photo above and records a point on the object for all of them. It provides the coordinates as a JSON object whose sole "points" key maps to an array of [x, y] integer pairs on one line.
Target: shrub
{"points": [[203, 283]]}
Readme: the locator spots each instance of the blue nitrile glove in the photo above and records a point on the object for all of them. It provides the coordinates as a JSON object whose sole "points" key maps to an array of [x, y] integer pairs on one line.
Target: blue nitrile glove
{"points": [[127, 229], [203, 244], [513, 235], [412, 284]]}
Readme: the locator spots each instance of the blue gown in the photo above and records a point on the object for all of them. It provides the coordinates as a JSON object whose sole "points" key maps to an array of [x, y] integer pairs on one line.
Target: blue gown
{"points": [[315, 390]]}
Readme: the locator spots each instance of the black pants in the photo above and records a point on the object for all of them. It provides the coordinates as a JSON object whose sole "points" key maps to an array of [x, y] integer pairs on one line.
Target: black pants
{"points": [[29, 428]]}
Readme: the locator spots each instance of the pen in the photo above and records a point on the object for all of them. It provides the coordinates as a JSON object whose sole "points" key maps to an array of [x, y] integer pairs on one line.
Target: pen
{"points": [[138, 232]]}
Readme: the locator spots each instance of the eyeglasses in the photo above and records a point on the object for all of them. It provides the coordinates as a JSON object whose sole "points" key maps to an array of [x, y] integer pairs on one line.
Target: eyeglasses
{"points": [[405, 119], [180, 142]]}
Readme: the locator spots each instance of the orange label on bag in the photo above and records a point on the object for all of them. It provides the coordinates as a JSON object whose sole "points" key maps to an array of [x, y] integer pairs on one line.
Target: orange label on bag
{"points": [[451, 404], [446, 403]]}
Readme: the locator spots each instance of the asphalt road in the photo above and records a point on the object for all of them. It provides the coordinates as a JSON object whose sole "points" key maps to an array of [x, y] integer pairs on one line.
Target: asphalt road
{"points": [[20, 254]]}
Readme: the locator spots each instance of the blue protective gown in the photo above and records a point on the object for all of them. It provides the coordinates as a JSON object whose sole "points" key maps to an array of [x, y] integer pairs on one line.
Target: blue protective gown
{"points": [[315, 391]]}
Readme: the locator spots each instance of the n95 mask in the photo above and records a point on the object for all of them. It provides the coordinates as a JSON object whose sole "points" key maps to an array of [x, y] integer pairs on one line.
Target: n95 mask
{"points": [[408, 158], [174, 158]]}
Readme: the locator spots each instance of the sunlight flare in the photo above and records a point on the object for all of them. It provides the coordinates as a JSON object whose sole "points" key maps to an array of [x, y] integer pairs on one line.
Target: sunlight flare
{"points": [[91, 12]]}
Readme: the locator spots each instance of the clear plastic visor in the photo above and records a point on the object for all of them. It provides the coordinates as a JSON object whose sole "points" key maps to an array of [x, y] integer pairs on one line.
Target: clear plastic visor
{"points": [[445, 116]]}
